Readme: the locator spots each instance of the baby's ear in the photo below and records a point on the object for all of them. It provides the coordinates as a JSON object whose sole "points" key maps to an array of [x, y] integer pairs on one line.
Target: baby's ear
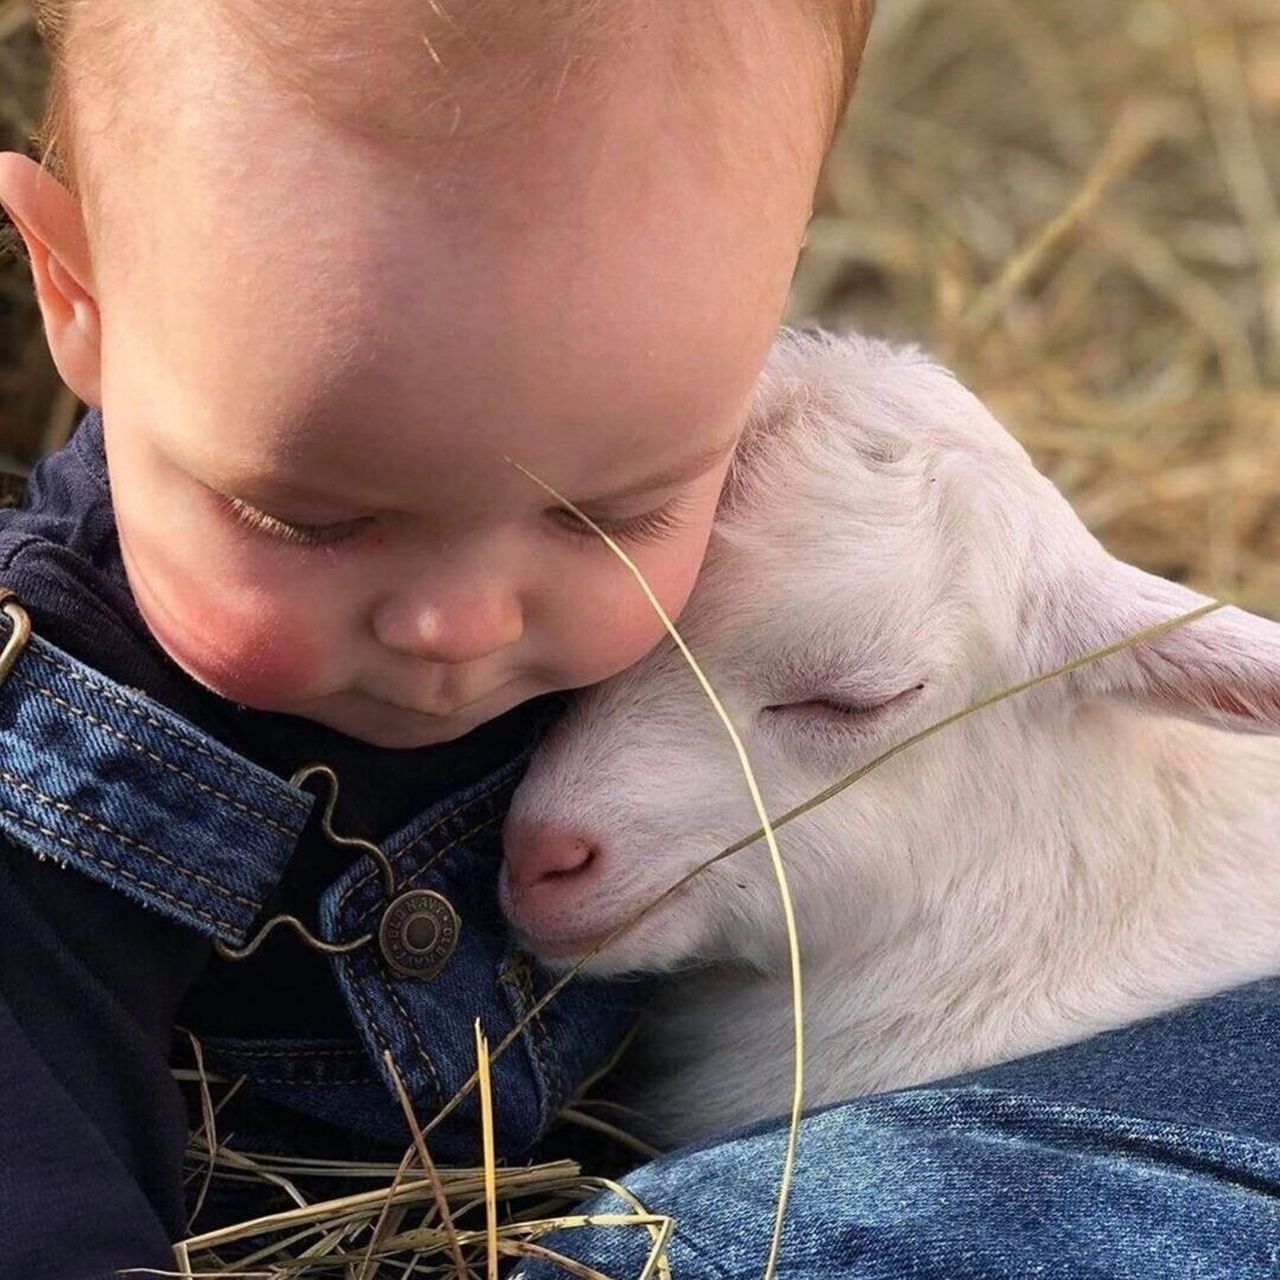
{"points": [[1222, 669], [50, 222]]}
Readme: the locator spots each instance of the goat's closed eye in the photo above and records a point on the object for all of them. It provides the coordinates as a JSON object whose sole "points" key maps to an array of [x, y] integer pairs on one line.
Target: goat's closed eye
{"points": [[840, 709]]}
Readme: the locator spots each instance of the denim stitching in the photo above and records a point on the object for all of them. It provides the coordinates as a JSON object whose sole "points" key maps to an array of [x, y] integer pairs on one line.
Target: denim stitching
{"points": [[390, 990], [399, 856], [62, 805], [413, 1031], [160, 760], [415, 842], [370, 1020], [118, 870], [549, 1056], [439, 853], [534, 1032], [223, 762]]}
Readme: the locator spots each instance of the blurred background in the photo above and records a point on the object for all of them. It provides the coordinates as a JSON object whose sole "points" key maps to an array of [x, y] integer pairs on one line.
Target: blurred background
{"points": [[1074, 203]]}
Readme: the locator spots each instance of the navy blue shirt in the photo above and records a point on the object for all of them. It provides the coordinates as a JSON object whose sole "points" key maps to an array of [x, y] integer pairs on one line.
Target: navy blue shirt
{"points": [[92, 1126]]}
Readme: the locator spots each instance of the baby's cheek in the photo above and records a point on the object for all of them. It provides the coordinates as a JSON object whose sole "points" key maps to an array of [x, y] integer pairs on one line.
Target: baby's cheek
{"points": [[628, 626], [256, 647], [263, 659]]}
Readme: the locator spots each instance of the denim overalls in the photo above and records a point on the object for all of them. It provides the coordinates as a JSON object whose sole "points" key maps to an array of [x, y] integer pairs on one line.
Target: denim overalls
{"points": [[110, 783]]}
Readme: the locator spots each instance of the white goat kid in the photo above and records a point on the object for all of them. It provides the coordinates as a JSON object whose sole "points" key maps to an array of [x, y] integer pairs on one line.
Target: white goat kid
{"points": [[1098, 850]]}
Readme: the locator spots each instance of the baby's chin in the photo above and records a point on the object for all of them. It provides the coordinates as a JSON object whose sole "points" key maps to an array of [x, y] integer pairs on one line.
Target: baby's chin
{"points": [[382, 724]]}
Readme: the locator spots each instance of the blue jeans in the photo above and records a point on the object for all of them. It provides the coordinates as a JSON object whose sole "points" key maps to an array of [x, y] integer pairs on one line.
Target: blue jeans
{"points": [[1152, 1151]]}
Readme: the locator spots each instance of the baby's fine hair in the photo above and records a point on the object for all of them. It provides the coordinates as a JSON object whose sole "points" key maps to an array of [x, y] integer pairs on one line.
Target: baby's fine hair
{"points": [[512, 49]]}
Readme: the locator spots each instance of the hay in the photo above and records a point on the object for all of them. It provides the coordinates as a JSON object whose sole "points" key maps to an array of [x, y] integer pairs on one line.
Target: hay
{"points": [[414, 1220], [1073, 202]]}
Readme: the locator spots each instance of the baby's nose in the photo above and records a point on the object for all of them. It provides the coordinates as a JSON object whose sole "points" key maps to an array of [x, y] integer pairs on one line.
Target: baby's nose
{"points": [[540, 856], [450, 630]]}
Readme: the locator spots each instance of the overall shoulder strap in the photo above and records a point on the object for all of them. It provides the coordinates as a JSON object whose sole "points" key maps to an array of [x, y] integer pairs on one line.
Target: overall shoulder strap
{"points": [[99, 777]]}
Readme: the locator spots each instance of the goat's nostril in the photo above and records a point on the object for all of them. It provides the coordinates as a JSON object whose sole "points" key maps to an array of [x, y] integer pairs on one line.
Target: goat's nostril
{"points": [[577, 859], [542, 855]]}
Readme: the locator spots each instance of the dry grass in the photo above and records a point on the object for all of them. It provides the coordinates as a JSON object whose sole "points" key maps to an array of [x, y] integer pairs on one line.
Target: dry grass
{"points": [[413, 1219], [1074, 202]]}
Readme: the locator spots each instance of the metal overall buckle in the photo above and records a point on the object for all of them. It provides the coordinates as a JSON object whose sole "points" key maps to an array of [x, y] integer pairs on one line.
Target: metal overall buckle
{"points": [[419, 927], [18, 635]]}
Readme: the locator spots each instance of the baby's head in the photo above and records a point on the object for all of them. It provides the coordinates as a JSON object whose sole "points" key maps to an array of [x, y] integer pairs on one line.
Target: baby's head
{"points": [[326, 269]]}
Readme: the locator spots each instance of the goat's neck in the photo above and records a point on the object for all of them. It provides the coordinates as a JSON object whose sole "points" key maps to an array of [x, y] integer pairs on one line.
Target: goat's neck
{"points": [[1143, 875]]}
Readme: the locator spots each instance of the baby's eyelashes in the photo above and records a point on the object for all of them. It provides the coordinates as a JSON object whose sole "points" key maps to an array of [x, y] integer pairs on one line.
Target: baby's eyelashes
{"points": [[300, 534], [645, 528], [651, 526]]}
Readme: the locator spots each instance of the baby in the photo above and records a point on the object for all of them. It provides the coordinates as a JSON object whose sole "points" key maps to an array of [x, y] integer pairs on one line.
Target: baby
{"points": [[323, 277]]}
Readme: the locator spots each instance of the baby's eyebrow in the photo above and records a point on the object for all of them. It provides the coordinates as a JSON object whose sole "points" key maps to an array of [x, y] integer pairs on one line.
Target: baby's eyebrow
{"points": [[690, 468]]}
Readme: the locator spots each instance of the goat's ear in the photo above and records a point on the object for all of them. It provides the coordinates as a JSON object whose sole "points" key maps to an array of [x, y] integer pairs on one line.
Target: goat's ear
{"points": [[1222, 669]]}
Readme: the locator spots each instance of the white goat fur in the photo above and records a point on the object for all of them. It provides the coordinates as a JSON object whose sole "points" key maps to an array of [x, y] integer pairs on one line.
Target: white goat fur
{"points": [[1099, 850]]}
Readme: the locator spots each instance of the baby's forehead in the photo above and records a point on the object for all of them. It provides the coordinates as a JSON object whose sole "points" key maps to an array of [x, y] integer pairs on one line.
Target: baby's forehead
{"points": [[423, 71], [448, 71], [434, 71], [442, 88]]}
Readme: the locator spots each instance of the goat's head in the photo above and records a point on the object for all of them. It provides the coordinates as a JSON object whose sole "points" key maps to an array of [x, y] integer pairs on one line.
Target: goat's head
{"points": [[885, 555]]}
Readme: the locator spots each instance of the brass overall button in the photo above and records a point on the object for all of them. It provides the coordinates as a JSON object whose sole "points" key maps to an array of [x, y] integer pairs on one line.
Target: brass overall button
{"points": [[418, 933]]}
